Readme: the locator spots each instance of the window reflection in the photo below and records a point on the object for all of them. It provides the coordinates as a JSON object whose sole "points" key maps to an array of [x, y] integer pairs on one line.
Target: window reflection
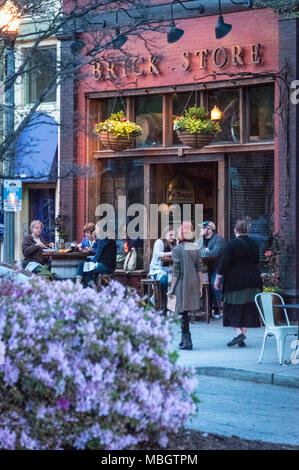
{"points": [[252, 196], [123, 177], [148, 112], [261, 109], [112, 105], [228, 102]]}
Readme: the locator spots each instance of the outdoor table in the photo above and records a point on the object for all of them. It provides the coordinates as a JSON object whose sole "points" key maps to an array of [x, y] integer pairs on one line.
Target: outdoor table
{"points": [[294, 306], [296, 311], [64, 265]]}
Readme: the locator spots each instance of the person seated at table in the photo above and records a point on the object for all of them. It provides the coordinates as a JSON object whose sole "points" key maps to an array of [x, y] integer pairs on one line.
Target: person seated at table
{"points": [[89, 241], [159, 268], [103, 262], [32, 247]]}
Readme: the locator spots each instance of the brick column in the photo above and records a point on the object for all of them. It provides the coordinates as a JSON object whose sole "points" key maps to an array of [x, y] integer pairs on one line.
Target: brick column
{"points": [[288, 155], [68, 139]]}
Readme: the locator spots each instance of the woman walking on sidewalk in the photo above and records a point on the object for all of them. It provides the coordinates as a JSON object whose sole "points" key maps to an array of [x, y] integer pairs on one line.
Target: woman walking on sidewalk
{"points": [[241, 282], [187, 280]]}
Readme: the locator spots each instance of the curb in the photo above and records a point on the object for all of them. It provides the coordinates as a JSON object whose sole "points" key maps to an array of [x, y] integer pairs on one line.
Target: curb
{"points": [[249, 376]]}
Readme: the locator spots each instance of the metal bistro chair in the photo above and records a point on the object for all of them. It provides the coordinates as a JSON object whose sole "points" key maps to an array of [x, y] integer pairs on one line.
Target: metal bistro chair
{"points": [[267, 315]]}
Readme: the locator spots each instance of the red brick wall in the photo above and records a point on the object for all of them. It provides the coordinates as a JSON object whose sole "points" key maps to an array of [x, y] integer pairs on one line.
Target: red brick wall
{"points": [[249, 27]]}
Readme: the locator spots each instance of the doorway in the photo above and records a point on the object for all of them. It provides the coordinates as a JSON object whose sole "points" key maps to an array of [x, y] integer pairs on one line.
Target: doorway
{"points": [[42, 207], [186, 183]]}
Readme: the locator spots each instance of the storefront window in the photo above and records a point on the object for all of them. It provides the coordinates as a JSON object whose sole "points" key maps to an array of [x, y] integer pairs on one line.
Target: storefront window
{"points": [[180, 102], [148, 112], [123, 178], [261, 109], [251, 195], [113, 105], [228, 102]]}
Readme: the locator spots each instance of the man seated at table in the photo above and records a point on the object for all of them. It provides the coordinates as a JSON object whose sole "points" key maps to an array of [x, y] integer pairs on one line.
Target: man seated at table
{"points": [[212, 245], [32, 248], [103, 262]]}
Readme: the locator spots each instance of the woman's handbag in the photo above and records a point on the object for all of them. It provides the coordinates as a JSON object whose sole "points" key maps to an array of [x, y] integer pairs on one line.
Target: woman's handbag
{"points": [[171, 301]]}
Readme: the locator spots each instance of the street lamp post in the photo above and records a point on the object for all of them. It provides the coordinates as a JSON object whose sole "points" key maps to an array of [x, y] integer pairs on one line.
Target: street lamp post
{"points": [[9, 26]]}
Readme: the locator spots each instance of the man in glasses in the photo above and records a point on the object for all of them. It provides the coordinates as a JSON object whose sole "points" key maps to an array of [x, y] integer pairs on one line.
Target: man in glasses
{"points": [[212, 245]]}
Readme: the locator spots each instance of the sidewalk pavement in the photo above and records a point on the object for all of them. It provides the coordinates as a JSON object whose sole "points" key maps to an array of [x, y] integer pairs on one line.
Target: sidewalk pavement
{"points": [[211, 356]]}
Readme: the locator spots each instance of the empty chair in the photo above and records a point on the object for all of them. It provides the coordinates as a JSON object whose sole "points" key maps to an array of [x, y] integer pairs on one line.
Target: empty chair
{"points": [[264, 300]]}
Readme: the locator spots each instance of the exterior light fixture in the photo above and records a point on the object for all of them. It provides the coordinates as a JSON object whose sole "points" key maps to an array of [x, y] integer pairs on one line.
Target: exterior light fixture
{"points": [[119, 39], [10, 19], [222, 29], [174, 33], [216, 114]]}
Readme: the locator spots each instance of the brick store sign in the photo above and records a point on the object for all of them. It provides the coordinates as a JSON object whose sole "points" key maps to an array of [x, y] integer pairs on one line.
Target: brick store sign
{"points": [[201, 59]]}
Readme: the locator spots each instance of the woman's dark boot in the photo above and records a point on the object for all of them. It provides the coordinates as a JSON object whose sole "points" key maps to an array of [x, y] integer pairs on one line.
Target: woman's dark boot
{"points": [[187, 342], [182, 338]]}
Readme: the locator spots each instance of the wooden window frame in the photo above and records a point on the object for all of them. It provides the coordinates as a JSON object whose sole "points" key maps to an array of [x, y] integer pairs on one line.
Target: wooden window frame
{"points": [[167, 140]]}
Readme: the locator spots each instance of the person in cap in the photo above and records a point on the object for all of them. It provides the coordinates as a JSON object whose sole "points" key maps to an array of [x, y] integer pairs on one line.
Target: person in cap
{"points": [[212, 245]]}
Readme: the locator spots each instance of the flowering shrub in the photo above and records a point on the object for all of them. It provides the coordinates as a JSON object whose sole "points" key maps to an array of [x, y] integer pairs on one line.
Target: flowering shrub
{"points": [[196, 121], [86, 370], [119, 126]]}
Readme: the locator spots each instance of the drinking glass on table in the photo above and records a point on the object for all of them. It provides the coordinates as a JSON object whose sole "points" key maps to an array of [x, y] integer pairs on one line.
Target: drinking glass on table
{"points": [[67, 245], [73, 246]]}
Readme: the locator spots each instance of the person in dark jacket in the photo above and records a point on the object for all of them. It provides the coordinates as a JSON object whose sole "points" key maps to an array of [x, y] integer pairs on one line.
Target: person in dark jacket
{"points": [[212, 245], [241, 282], [103, 262], [32, 248]]}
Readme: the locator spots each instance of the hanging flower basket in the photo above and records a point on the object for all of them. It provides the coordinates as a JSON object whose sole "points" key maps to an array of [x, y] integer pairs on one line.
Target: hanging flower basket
{"points": [[117, 133], [115, 143], [195, 129], [195, 141]]}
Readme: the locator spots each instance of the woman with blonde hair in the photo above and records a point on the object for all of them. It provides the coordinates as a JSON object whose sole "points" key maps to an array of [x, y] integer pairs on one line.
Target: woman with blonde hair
{"points": [[158, 268], [32, 248], [187, 280]]}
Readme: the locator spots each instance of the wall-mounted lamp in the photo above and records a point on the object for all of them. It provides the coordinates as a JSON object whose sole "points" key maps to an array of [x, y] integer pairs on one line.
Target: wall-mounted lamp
{"points": [[119, 38], [174, 33], [216, 114], [222, 29]]}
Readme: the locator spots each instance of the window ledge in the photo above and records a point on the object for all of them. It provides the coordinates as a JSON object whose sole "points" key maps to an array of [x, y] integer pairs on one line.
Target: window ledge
{"points": [[181, 151]]}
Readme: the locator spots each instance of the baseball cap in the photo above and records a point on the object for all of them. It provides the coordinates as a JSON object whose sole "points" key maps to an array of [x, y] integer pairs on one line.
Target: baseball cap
{"points": [[210, 224]]}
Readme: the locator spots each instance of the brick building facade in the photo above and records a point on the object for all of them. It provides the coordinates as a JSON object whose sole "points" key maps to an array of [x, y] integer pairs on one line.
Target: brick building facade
{"points": [[249, 170]]}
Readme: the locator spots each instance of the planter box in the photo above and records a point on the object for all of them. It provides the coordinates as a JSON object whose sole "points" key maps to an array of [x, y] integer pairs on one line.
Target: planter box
{"points": [[196, 141], [115, 143]]}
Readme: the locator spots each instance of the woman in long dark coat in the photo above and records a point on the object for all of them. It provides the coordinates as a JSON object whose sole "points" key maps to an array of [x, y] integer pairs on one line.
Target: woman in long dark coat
{"points": [[241, 282], [186, 281]]}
